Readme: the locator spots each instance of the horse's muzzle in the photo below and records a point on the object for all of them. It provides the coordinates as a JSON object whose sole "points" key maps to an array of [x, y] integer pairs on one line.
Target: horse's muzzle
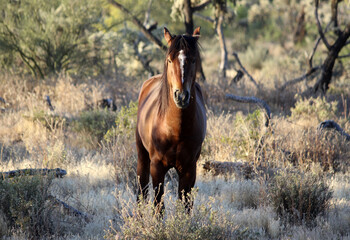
{"points": [[182, 98]]}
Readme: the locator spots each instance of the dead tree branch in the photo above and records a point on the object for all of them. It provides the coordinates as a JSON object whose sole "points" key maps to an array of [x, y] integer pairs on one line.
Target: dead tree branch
{"points": [[328, 64], [330, 124], [201, 6], [57, 172], [261, 103], [299, 79], [344, 56], [319, 27], [313, 52], [334, 18], [333, 50], [148, 13], [244, 70], [69, 209], [205, 18], [310, 62], [148, 34]]}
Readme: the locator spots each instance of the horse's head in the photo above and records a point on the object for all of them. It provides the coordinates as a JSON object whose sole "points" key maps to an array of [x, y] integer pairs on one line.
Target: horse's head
{"points": [[181, 65]]}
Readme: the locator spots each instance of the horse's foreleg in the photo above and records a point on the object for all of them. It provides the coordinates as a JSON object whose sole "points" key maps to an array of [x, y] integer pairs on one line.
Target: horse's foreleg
{"points": [[158, 172], [143, 169], [186, 182]]}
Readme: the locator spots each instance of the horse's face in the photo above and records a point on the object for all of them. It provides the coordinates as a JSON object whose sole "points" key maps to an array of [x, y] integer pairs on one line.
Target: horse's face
{"points": [[181, 69]]}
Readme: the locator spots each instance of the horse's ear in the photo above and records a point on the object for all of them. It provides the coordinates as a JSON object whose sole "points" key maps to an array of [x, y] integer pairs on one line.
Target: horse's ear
{"points": [[196, 32], [167, 36]]}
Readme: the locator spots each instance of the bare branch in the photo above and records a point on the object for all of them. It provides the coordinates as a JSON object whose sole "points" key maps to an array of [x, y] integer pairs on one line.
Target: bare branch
{"points": [[148, 13], [313, 52], [201, 5], [330, 124], [334, 18], [205, 18], [69, 209], [244, 70], [259, 102], [320, 31], [138, 23], [344, 56], [316, 45], [328, 64], [48, 101], [299, 79]]}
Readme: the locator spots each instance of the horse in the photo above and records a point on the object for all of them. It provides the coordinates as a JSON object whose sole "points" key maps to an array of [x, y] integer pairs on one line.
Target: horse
{"points": [[171, 120]]}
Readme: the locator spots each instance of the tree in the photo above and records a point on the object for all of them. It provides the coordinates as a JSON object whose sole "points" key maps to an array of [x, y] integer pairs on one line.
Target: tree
{"points": [[333, 49], [49, 36]]}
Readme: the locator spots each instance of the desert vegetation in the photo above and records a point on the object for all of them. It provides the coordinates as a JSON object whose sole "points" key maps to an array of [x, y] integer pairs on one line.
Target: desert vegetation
{"points": [[70, 73]]}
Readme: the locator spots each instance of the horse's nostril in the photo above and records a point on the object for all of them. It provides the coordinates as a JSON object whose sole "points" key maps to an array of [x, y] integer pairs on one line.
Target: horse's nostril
{"points": [[176, 94]]}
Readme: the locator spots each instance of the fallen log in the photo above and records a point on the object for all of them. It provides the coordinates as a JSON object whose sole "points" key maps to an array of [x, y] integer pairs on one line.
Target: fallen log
{"points": [[56, 172], [69, 209], [241, 170], [330, 124]]}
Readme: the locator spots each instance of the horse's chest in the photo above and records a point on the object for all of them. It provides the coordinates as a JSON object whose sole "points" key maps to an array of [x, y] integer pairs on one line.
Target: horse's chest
{"points": [[173, 150]]}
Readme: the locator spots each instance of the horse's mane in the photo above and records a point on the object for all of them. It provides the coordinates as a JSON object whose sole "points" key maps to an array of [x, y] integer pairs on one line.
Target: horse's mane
{"points": [[186, 43]]}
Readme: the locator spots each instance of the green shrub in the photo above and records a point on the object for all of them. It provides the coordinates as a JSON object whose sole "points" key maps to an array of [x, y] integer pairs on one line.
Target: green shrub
{"points": [[299, 198], [249, 132], [49, 36], [125, 122], [22, 204], [95, 123], [202, 223], [48, 120]]}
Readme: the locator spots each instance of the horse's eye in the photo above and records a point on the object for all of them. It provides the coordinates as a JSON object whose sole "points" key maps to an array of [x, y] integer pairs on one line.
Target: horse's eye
{"points": [[169, 61]]}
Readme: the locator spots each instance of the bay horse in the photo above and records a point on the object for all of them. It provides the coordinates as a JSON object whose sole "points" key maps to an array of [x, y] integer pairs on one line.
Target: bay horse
{"points": [[171, 120]]}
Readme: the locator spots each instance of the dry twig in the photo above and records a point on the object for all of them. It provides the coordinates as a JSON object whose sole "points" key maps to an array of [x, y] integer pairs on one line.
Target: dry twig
{"points": [[244, 70]]}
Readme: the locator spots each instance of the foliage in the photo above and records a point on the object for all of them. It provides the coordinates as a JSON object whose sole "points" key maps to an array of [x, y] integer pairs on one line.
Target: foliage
{"points": [[203, 223], [300, 197], [315, 107], [255, 57], [96, 123], [49, 36], [23, 205], [249, 132], [48, 120], [125, 122]]}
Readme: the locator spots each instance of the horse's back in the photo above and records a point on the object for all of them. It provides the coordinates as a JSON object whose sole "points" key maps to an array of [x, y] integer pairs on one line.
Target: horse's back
{"points": [[147, 87], [147, 108]]}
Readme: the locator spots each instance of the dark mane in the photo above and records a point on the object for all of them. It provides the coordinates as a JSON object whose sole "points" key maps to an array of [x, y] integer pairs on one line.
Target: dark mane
{"points": [[179, 42]]}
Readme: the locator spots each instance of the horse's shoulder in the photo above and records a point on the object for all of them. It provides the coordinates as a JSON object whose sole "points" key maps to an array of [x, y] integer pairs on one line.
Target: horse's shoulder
{"points": [[148, 85], [199, 91]]}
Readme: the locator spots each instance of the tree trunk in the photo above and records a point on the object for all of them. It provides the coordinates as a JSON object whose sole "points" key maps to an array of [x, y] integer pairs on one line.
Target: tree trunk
{"points": [[219, 30], [188, 17], [328, 64]]}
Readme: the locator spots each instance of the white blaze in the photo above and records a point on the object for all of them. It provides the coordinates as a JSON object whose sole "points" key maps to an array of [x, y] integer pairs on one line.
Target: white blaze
{"points": [[182, 58]]}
